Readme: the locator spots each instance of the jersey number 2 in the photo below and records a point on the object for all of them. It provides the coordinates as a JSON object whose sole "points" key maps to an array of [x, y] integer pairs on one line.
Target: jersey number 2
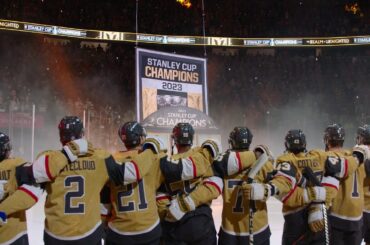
{"points": [[130, 206], [78, 184]]}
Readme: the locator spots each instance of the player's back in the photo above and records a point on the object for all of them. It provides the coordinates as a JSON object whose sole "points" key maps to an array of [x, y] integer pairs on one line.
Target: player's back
{"points": [[72, 205], [134, 205], [235, 211], [348, 205], [300, 161], [176, 185], [16, 223]]}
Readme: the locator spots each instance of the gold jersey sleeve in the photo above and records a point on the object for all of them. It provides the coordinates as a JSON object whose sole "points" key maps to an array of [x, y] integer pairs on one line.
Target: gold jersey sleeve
{"points": [[16, 222], [122, 156], [207, 190], [45, 168], [188, 173], [200, 159], [72, 207], [291, 192], [232, 162], [48, 165], [182, 171], [351, 163], [134, 205], [235, 211]]}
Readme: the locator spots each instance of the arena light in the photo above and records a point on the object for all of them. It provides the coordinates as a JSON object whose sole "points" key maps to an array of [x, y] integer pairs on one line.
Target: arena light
{"points": [[184, 3], [353, 8]]}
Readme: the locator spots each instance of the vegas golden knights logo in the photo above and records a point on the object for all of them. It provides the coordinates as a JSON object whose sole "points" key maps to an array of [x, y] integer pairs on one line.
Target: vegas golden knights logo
{"points": [[112, 35], [219, 41]]}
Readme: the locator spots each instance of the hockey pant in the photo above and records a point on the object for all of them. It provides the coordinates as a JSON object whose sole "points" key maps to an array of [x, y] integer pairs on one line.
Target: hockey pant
{"points": [[93, 239], [366, 227], [195, 228], [296, 230], [150, 238], [345, 231], [23, 240]]}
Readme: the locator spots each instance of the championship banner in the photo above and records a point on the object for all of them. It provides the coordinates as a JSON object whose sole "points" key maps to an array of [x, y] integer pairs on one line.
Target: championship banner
{"points": [[168, 117], [168, 80]]}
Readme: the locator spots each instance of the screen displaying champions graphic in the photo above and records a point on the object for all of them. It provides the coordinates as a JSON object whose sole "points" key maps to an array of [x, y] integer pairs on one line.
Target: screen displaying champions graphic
{"points": [[168, 80]]}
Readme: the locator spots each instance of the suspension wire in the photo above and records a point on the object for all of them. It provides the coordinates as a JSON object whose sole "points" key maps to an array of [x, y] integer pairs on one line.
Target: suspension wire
{"points": [[204, 29], [137, 21]]}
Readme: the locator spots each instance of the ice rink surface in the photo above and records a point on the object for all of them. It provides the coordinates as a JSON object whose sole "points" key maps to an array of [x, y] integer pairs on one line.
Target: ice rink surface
{"points": [[35, 218]]}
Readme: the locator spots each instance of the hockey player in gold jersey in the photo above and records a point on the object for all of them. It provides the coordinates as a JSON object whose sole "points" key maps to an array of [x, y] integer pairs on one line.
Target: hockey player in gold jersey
{"points": [[15, 230], [73, 184], [303, 213], [303, 208], [233, 167], [187, 191], [363, 138], [135, 217], [345, 214]]}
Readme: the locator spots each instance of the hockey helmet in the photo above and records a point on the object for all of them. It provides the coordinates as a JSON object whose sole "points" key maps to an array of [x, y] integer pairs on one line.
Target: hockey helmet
{"points": [[70, 128], [183, 134], [363, 135], [130, 133], [334, 133], [5, 146], [240, 138], [295, 141]]}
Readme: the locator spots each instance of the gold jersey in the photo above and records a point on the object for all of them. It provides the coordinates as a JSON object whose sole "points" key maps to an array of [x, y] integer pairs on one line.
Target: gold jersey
{"points": [[235, 211], [16, 223], [315, 160], [72, 207], [348, 205], [188, 173], [293, 199], [134, 209]]}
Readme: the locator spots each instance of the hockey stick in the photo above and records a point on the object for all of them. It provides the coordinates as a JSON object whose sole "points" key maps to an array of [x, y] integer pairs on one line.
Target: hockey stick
{"points": [[252, 204], [310, 176]]}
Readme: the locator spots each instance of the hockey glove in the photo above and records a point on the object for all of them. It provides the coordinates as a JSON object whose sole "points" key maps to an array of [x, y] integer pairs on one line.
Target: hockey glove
{"points": [[3, 219], [155, 144], [316, 217], [75, 148], [213, 147], [264, 149], [301, 180], [315, 194], [257, 191], [2, 189], [179, 207], [361, 152], [163, 202], [336, 167]]}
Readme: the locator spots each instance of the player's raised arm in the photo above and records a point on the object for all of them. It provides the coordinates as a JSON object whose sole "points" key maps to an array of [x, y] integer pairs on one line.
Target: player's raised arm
{"points": [[207, 190], [14, 197], [195, 163], [24, 198], [139, 166]]}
